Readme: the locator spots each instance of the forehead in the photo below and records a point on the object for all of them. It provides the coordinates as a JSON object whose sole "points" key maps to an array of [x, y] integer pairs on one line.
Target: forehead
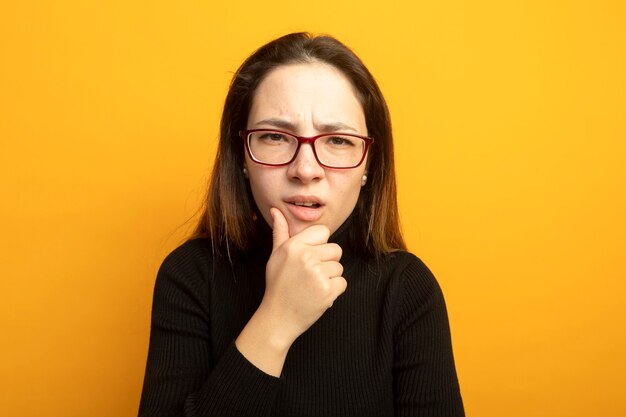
{"points": [[307, 93]]}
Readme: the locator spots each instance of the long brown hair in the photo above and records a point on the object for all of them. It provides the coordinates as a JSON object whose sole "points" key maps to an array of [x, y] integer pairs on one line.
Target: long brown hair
{"points": [[227, 216]]}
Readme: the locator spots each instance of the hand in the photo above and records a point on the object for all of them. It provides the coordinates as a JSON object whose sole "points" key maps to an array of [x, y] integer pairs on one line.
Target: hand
{"points": [[303, 279], [303, 276]]}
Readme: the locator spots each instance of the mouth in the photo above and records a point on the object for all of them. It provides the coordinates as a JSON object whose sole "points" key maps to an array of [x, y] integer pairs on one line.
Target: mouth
{"points": [[304, 201], [305, 204], [305, 208]]}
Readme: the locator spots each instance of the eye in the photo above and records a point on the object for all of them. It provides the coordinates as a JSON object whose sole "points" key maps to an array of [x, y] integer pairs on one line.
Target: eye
{"points": [[273, 137], [340, 141]]}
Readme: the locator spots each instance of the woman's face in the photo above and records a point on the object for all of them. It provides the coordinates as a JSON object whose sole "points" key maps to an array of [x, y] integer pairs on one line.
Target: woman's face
{"points": [[306, 100]]}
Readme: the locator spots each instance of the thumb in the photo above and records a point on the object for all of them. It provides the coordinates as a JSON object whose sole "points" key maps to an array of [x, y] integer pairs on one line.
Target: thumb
{"points": [[280, 228]]}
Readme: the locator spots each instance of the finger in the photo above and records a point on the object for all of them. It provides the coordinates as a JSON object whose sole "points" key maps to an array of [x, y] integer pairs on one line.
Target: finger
{"points": [[314, 235], [280, 228], [338, 286], [331, 269], [327, 252]]}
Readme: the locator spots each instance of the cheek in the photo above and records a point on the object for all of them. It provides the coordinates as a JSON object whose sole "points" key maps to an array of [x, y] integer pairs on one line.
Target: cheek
{"points": [[263, 183], [258, 185], [259, 195], [348, 188]]}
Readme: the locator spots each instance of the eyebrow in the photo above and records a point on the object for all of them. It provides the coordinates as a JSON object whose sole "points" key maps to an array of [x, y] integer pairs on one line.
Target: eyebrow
{"points": [[284, 124]]}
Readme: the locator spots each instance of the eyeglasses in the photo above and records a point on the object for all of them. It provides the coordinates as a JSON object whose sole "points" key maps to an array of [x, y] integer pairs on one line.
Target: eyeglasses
{"points": [[331, 150]]}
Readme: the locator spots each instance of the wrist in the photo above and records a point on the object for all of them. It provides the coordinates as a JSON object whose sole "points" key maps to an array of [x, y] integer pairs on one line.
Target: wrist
{"points": [[272, 329], [264, 344]]}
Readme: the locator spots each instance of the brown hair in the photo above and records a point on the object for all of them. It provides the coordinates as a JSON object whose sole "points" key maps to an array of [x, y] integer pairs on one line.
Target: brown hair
{"points": [[227, 216]]}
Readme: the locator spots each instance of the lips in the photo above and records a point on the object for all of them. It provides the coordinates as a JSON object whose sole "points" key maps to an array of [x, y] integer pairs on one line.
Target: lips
{"points": [[306, 204], [305, 208]]}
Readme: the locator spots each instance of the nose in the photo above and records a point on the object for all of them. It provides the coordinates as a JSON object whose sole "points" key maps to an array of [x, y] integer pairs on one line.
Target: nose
{"points": [[305, 167]]}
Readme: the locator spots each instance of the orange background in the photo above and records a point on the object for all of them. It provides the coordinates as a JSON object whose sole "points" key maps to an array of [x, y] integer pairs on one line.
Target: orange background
{"points": [[511, 148]]}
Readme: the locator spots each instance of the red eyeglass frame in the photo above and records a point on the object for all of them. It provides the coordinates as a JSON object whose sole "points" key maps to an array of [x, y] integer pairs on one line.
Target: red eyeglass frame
{"points": [[303, 139]]}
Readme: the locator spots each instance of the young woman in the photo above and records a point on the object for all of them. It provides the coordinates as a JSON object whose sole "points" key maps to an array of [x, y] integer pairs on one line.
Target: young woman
{"points": [[296, 296]]}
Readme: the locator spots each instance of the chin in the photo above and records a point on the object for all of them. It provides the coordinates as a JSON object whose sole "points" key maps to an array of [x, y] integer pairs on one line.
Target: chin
{"points": [[296, 228]]}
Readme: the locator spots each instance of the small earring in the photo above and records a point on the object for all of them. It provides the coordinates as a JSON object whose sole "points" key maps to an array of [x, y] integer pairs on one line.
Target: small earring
{"points": [[245, 172], [364, 180]]}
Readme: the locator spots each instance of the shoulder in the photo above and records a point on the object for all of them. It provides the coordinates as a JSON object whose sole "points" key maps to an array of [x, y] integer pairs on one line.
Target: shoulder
{"points": [[194, 252], [415, 298], [412, 282], [181, 290], [406, 267], [187, 266]]}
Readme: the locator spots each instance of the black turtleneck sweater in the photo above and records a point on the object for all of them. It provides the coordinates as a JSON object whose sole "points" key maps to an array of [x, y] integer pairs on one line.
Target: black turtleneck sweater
{"points": [[382, 349]]}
